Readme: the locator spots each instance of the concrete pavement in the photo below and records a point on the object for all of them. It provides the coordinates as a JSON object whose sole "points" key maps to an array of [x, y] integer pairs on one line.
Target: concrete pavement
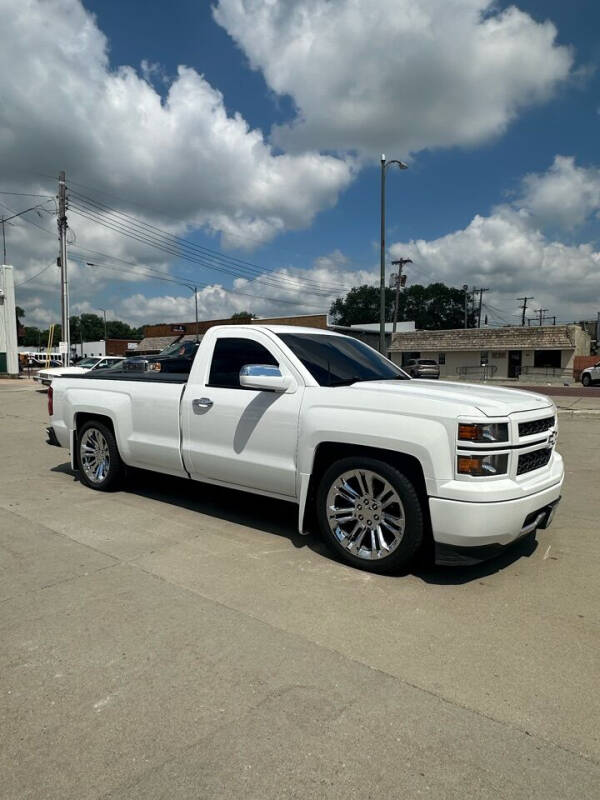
{"points": [[175, 640]]}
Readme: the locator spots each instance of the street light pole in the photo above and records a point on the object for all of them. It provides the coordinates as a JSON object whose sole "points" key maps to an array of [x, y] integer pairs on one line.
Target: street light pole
{"points": [[384, 165], [104, 312]]}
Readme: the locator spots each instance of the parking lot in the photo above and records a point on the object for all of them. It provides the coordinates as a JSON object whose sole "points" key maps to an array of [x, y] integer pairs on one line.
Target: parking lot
{"points": [[173, 640]]}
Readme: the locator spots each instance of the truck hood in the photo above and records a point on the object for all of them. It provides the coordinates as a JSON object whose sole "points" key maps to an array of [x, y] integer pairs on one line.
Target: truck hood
{"points": [[493, 401]]}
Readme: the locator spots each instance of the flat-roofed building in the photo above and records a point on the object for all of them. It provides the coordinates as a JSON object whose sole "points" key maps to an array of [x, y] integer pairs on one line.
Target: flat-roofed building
{"points": [[525, 353]]}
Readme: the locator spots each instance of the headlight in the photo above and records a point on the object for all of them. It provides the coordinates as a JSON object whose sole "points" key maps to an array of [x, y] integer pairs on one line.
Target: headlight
{"points": [[476, 432], [155, 366], [482, 466]]}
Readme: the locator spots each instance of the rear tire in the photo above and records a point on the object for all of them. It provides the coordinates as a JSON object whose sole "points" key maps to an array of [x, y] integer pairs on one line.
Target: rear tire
{"points": [[98, 459], [586, 380], [369, 514]]}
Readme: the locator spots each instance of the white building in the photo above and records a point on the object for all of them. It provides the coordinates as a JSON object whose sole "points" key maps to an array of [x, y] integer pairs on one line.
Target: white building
{"points": [[9, 361], [525, 353]]}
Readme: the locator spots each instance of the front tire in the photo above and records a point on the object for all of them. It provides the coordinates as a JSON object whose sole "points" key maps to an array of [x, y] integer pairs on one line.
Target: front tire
{"points": [[100, 465], [370, 514], [586, 380]]}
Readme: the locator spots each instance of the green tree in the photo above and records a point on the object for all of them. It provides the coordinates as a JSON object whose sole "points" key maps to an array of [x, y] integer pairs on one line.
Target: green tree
{"points": [[116, 329], [361, 304], [32, 337], [243, 315], [432, 307]]}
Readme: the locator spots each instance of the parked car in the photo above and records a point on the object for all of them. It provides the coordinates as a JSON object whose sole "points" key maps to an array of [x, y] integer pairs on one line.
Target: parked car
{"points": [[46, 376], [423, 368], [591, 375], [382, 462], [178, 357]]}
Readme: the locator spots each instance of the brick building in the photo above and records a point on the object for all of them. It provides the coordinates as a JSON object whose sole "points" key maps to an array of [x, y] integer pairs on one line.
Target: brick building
{"points": [[157, 337], [528, 353]]}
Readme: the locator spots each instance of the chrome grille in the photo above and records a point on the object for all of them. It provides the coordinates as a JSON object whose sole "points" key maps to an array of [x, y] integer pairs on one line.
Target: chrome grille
{"points": [[533, 460], [535, 426]]}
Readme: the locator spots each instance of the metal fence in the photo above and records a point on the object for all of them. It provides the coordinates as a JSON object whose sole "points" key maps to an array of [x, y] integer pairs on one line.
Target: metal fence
{"points": [[546, 372], [480, 373]]}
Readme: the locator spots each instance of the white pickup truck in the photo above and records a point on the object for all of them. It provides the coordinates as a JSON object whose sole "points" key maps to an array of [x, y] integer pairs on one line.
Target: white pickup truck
{"points": [[384, 463]]}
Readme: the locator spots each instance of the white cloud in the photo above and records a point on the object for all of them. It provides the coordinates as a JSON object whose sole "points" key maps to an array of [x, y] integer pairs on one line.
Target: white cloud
{"points": [[259, 296], [397, 75], [183, 160], [564, 196], [509, 251]]}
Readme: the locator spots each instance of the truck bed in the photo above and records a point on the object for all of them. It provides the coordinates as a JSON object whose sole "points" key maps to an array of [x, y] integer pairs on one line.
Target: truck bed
{"points": [[146, 377]]}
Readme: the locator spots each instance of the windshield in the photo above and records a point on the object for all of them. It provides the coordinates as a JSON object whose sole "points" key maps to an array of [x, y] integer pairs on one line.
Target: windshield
{"points": [[340, 360], [88, 362], [427, 363], [115, 364], [179, 349]]}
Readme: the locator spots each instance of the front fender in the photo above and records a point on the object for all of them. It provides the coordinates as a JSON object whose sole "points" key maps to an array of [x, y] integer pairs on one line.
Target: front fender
{"points": [[425, 439]]}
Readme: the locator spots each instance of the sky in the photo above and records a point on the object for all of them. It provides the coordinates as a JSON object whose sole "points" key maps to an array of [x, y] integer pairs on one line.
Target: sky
{"points": [[235, 146]]}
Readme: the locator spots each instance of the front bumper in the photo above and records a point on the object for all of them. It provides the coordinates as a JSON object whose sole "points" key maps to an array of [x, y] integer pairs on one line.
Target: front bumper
{"points": [[467, 533]]}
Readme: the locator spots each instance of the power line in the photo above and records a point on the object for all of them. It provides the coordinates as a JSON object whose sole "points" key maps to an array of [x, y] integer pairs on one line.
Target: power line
{"points": [[496, 313], [241, 237], [51, 264], [27, 194], [80, 248], [130, 225], [203, 285], [172, 249]]}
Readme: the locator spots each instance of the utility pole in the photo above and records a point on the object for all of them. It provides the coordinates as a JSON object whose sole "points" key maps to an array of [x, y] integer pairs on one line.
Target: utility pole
{"points": [[196, 301], [481, 291], [524, 308], [62, 236], [466, 291], [540, 311], [3, 242], [598, 334], [400, 281], [384, 165], [104, 312]]}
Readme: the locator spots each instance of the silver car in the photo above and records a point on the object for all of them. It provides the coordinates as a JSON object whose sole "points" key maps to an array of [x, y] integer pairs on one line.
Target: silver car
{"points": [[422, 368]]}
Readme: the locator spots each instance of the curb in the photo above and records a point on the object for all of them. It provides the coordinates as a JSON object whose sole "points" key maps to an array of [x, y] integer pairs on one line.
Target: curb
{"points": [[584, 412]]}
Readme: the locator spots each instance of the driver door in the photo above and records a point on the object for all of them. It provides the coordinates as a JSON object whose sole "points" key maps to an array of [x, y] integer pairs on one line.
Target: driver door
{"points": [[245, 437]]}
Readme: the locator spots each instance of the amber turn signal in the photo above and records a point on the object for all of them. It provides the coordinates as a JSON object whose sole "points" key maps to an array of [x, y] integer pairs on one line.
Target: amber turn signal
{"points": [[468, 432], [469, 466]]}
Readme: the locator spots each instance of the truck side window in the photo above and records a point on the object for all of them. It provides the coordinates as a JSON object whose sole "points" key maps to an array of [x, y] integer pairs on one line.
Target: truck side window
{"points": [[230, 355]]}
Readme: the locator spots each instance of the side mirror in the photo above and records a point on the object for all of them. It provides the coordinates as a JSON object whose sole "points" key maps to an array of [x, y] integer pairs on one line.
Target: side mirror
{"points": [[264, 377]]}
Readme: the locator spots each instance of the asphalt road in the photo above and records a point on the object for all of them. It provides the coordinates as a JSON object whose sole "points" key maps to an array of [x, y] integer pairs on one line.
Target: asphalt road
{"points": [[176, 641]]}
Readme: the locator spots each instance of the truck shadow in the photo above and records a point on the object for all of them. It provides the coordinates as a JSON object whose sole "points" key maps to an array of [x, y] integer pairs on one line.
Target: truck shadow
{"points": [[280, 518]]}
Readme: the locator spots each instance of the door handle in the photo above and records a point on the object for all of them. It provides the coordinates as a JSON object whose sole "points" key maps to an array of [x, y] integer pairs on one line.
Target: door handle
{"points": [[201, 404]]}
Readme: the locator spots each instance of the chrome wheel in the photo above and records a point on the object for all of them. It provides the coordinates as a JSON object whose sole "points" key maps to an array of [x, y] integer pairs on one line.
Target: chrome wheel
{"points": [[365, 514], [94, 455]]}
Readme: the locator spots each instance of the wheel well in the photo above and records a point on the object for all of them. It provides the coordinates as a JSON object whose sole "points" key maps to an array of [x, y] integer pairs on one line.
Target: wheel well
{"points": [[80, 419], [328, 452]]}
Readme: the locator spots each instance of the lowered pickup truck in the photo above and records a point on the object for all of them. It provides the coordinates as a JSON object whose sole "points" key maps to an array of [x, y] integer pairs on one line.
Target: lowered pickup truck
{"points": [[384, 463]]}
